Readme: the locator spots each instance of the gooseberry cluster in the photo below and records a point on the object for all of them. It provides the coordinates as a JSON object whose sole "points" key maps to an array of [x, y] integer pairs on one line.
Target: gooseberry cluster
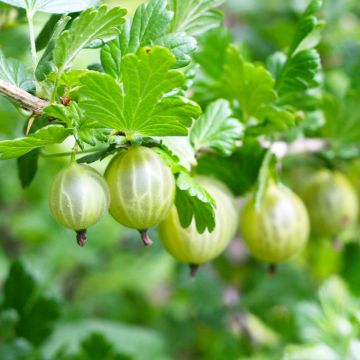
{"points": [[139, 192]]}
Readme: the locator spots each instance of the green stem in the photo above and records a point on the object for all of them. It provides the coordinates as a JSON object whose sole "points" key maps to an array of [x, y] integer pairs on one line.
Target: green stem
{"points": [[56, 85], [70, 153], [32, 39]]}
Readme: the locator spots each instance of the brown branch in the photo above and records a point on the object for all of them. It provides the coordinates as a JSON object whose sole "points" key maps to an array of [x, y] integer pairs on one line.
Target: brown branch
{"points": [[23, 98]]}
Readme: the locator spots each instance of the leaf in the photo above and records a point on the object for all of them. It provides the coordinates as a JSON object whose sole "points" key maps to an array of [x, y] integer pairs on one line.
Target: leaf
{"points": [[195, 17], [193, 201], [91, 25], [96, 346], [21, 293], [212, 53], [51, 134], [45, 65], [298, 73], [180, 147], [140, 106], [307, 24], [52, 6], [149, 23], [46, 32], [216, 129], [17, 349], [85, 129], [14, 72], [251, 85], [27, 167], [180, 45], [238, 171]]}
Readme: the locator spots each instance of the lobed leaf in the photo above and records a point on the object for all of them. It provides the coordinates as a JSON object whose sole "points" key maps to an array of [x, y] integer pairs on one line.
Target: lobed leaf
{"points": [[141, 106], [14, 72], [195, 17], [91, 25], [216, 129], [193, 201]]}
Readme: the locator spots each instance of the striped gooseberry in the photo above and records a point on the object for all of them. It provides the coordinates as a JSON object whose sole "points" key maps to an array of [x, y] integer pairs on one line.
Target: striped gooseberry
{"points": [[279, 228], [78, 198], [142, 189], [191, 247], [331, 201]]}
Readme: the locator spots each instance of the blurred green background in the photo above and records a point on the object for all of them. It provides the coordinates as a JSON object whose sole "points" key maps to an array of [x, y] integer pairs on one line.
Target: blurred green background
{"points": [[115, 299]]}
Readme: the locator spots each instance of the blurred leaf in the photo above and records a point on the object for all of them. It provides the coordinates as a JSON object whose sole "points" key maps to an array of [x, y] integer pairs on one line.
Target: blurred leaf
{"points": [[195, 17], [216, 129], [101, 23], [52, 6], [193, 201], [27, 167], [96, 346], [15, 73], [238, 171], [21, 293], [263, 178], [308, 22], [251, 85], [46, 32], [18, 349], [139, 107], [135, 341]]}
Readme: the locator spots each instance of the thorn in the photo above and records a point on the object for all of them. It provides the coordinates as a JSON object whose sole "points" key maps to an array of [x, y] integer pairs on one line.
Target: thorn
{"points": [[30, 124], [272, 269], [193, 270], [81, 237], [145, 237]]}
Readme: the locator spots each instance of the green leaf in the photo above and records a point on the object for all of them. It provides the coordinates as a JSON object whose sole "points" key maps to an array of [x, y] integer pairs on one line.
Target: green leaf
{"points": [[193, 201], [96, 346], [307, 24], [46, 32], [180, 45], [51, 134], [45, 65], [52, 6], [298, 73], [17, 349], [21, 293], [149, 23], [216, 129], [27, 167], [140, 106], [238, 171], [212, 53], [14, 72], [91, 25], [86, 130], [195, 17], [251, 85]]}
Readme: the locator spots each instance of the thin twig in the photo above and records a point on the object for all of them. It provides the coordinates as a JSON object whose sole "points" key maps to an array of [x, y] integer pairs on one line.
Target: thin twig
{"points": [[23, 98]]}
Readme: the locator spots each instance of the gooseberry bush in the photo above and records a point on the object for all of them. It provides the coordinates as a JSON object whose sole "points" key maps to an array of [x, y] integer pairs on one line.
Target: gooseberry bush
{"points": [[203, 137], [172, 97]]}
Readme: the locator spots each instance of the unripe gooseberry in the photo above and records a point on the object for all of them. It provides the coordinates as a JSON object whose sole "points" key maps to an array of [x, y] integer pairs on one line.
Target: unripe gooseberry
{"points": [[78, 198], [142, 189], [277, 230], [186, 244], [331, 201]]}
